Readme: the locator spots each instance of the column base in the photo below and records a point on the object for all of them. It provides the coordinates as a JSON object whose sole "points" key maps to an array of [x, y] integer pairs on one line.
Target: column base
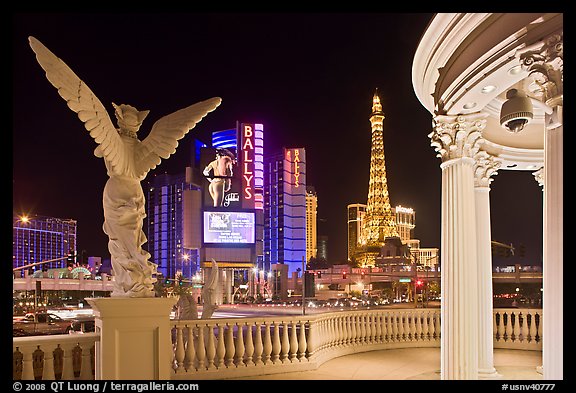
{"points": [[488, 374]]}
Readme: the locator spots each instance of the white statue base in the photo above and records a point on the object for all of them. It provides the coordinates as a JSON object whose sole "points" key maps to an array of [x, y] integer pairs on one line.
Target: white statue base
{"points": [[134, 338]]}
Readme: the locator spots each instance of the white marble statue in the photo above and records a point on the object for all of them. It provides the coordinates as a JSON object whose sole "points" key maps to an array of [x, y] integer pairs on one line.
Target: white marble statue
{"points": [[186, 307], [128, 160]]}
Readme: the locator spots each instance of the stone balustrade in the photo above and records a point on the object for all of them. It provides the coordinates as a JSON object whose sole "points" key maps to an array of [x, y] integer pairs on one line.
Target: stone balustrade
{"points": [[234, 347], [56, 357]]}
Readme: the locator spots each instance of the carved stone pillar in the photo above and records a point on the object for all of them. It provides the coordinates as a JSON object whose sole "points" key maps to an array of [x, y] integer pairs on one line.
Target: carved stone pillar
{"points": [[545, 63], [484, 168], [457, 140]]}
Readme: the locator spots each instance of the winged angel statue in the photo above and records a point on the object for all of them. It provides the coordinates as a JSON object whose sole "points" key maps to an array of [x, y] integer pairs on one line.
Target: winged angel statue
{"points": [[128, 160]]}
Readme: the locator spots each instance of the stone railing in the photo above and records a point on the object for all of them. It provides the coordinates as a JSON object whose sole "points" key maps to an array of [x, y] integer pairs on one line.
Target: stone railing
{"points": [[235, 347], [56, 357], [518, 328], [226, 348]]}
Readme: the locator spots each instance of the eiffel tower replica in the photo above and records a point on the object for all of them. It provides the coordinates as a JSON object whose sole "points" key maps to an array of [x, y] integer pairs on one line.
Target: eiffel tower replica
{"points": [[379, 221]]}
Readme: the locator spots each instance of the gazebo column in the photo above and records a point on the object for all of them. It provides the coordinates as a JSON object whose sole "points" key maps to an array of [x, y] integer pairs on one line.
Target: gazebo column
{"points": [[457, 140], [485, 167], [553, 274], [545, 63]]}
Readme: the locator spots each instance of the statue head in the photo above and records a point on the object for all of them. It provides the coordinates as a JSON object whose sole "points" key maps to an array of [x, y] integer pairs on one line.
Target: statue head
{"points": [[129, 118]]}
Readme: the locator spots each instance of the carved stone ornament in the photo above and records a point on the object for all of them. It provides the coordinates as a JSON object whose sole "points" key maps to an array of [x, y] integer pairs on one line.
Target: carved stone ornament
{"points": [[539, 176], [545, 63], [457, 136], [485, 166]]}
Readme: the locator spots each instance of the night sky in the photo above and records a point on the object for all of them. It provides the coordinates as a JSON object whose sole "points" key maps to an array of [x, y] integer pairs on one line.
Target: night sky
{"points": [[308, 78]]}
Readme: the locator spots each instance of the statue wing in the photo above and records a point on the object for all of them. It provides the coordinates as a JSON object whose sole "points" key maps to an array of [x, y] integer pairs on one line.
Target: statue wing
{"points": [[83, 101], [208, 292], [163, 139]]}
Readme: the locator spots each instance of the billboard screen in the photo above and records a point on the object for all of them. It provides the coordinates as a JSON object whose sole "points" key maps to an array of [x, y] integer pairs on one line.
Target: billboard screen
{"points": [[223, 183], [225, 227]]}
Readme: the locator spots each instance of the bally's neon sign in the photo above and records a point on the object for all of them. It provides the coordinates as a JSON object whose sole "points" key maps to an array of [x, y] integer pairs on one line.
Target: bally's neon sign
{"points": [[247, 162], [296, 167]]}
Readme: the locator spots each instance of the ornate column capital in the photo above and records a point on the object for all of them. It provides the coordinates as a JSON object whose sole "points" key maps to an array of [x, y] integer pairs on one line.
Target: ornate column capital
{"points": [[485, 166], [457, 136], [545, 63], [539, 176]]}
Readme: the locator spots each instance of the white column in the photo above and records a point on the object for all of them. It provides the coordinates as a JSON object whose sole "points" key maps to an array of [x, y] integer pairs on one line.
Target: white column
{"points": [[553, 275], [457, 139], [484, 168], [134, 338]]}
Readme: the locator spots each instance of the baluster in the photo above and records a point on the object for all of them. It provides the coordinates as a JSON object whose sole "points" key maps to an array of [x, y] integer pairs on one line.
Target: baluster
{"points": [[402, 333], [437, 325], [249, 345], [432, 326], [220, 347], [210, 348], [240, 348], [267, 344], [258, 346], [377, 326], [314, 329], [524, 328], [276, 345], [531, 323], [343, 331], [189, 358], [179, 353], [419, 334], [384, 327], [285, 343], [230, 348], [408, 326], [508, 334], [353, 328], [396, 326], [497, 326], [516, 327], [414, 316], [363, 328], [201, 348], [370, 328], [425, 330], [302, 341], [293, 342]]}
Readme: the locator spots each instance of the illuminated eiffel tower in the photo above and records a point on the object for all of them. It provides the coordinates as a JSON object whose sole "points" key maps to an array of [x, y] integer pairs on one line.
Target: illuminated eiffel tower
{"points": [[379, 222]]}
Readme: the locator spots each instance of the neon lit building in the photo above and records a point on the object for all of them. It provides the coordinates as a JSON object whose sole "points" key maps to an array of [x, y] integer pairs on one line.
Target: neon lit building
{"points": [[285, 209], [356, 212], [311, 223], [165, 224], [40, 238]]}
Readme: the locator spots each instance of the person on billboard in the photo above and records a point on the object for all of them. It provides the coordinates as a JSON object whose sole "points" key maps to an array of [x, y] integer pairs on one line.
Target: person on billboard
{"points": [[219, 174]]}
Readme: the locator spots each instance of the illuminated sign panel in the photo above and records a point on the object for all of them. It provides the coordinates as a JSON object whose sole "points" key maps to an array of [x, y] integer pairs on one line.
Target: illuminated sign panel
{"points": [[252, 165], [222, 173], [225, 227], [247, 149]]}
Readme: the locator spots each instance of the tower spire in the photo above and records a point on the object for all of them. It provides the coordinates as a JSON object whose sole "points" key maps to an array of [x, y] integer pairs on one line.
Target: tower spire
{"points": [[379, 223]]}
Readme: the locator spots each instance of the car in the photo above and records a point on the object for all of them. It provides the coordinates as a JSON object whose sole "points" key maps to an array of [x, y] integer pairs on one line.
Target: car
{"points": [[82, 325], [39, 324]]}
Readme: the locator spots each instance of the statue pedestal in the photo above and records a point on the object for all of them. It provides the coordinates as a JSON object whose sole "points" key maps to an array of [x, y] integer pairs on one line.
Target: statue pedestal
{"points": [[134, 338]]}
